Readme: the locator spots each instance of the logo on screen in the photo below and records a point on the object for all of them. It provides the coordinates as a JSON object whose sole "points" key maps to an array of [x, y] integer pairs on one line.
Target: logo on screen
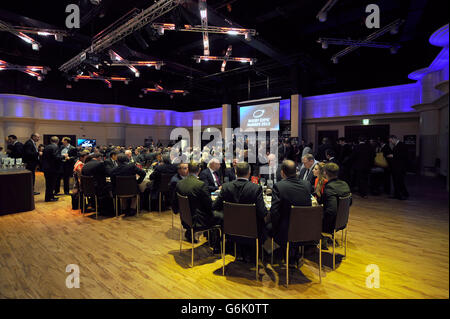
{"points": [[258, 113]]}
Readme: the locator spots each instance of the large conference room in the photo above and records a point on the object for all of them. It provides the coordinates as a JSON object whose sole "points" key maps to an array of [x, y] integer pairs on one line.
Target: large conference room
{"points": [[224, 150]]}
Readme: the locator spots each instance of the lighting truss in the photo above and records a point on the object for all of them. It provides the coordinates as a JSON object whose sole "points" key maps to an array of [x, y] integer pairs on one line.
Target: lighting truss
{"points": [[392, 27], [160, 89], [35, 45], [143, 18], [322, 15], [58, 34], [227, 55], [204, 19], [97, 77], [198, 28], [384, 45], [117, 60], [200, 58], [32, 70]]}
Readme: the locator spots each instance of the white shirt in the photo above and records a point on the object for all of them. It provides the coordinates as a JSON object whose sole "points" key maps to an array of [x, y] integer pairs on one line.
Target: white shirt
{"points": [[214, 177]]}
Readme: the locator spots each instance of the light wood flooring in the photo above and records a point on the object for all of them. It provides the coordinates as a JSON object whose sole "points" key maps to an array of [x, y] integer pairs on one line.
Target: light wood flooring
{"points": [[138, 257]]}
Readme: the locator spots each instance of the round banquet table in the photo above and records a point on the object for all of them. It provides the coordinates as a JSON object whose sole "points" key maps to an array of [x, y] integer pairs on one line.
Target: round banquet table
{"points": [[16, 191]]}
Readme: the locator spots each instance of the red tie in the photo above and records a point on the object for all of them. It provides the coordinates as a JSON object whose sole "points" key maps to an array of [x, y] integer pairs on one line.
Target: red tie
{"points": [[216, 177]]}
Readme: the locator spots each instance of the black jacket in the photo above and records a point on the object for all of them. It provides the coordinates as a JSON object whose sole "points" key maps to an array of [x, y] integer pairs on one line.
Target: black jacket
{"points": [[206, 176], [30, 154], [200, 201], [362, 157], [52, 159], [311, 178], [126, 169], [173, 192], [70, 162], [334, 189], [400, 159], [230, 173], [110, 165], [97, 169], [271, 177], [169, 169], [289, 192], [16, 150]]}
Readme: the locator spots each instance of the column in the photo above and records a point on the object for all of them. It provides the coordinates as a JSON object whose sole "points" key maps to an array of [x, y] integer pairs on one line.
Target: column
{"points": [[226, 117], [296, 116]]}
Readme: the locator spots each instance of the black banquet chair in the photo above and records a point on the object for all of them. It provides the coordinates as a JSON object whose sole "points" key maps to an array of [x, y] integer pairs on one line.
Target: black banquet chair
{"points": [[305, 227], [88, 190], [164, 189], [186, 217], [240, 220], [342, 214], [125, 187]]}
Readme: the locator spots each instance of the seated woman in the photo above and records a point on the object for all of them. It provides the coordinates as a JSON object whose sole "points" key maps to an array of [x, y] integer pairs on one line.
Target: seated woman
{"points": [[320, 181], [77, 169]]}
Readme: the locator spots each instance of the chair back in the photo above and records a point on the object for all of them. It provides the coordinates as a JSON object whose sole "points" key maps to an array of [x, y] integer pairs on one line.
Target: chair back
{"points": [[164, 182], [125, 186], [88, 185], [185, 209], [240, 220], [305, 223], [343, 211]]}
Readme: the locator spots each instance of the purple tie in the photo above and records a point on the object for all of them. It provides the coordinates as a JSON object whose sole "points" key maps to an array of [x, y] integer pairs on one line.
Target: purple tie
{"points": [[216, 176]]}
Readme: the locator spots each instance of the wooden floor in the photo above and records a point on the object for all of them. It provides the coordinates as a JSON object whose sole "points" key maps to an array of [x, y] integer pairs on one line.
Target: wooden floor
{"points": [[139, 257]]}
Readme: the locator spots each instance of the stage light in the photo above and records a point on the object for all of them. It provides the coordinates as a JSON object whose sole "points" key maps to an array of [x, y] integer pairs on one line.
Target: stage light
{"points": [[59, 37], [158, 66], [203, 13], [248, 37], [322, 16], [44, 33], [68, 86], [324, 45], [39, 78], [198, 60], [35, 46], [335, 60], [232, 32], [160, 30]]}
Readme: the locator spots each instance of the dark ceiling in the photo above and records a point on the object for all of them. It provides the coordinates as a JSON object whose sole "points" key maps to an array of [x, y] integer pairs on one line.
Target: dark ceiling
{"points": [[289, 58]]}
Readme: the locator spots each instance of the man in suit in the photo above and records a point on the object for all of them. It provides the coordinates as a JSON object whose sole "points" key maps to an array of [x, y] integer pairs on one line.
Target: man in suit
{"points": [[230, 173], [95, 167], [306, 172], [330, 154], [243, 191], [131, 157], [210, 176], [15, 148], [67, 167], [52, 167], [165, 168], [111, 162], [326, 144], [362, 160], [200, 202], [284, 151], [291, 191], [124, 168], [180, 175], [334, 189], [31, 155], [387, 152], [399, 160], [271, 171], [344, 159]]}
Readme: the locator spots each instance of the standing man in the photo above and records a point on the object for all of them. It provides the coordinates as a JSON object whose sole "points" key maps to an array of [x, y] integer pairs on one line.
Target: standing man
{"points": [[399, 159], [362, 160], [31, 155], [67, 167], [51, 165], [15, 148]]}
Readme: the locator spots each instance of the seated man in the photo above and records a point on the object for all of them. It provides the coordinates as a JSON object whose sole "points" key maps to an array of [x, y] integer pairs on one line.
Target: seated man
{"points": [[125, 168], [291, 191], [166, 167], [199, 201], [230, 173], [334, 189], [111, 162], [181, 174], [306, 170], [271, 171], [243, 191], [210, 176], [95, 167]]}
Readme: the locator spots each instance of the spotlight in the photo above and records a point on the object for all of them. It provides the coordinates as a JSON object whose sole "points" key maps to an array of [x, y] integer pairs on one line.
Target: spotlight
{"points": [[335, 60], [160, 30], [158, 66], [198, 60], [39, 78], [126, 82], [137, 74], [35, 46], [322, 16], [324, 45], [140, 96], [248, 37]]}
